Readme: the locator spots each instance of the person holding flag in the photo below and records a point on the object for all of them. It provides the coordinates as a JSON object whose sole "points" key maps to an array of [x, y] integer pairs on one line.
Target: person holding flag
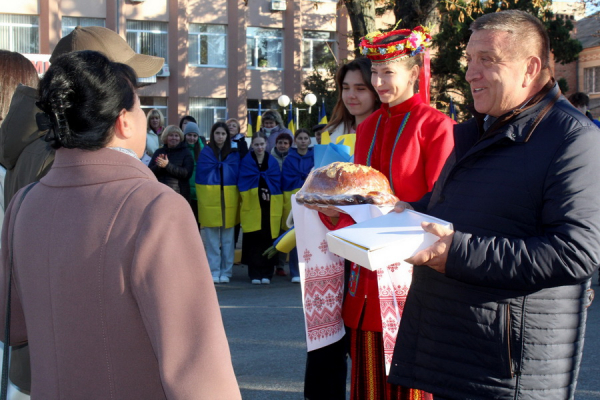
{"points": [[259, 184]]}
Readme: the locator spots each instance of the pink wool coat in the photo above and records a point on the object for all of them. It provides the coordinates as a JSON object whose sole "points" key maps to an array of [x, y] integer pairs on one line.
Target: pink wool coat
{"points": [[112, 288]]}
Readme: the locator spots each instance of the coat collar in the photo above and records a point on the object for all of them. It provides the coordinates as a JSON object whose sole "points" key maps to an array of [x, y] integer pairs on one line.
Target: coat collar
{"points": [[75, 167], [518, 125], [403, 107]]}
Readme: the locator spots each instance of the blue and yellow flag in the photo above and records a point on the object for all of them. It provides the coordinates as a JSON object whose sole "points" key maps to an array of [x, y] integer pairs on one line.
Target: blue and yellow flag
{"points": [[248, 181], [452, 110], [250, 129], [208, 189], [259, 118], [322, 113], [290, 120], [295, 171]]}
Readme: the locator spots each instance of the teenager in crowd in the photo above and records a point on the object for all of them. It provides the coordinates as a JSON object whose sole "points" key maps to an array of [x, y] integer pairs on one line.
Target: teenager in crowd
{"points": [[218, 198], [259, 184]]}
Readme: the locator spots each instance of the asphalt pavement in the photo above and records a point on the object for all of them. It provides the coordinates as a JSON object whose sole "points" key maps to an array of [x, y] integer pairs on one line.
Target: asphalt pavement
{"points": [[265, 328]]}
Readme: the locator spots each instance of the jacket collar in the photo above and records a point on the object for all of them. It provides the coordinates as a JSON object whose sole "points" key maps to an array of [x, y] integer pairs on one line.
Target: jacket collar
{"points": [[74, 167], [519, 124], [403, 107]]}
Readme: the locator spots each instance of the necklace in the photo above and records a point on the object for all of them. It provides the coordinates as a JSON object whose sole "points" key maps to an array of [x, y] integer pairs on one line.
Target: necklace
{"points": [[372, 146]]}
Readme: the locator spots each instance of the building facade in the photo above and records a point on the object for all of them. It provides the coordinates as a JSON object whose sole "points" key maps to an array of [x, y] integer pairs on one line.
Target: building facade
{"points": [[221, 56]]}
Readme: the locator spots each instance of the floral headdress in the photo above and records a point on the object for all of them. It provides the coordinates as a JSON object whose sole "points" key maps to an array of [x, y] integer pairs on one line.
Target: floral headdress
{"points": [[413, 42]]}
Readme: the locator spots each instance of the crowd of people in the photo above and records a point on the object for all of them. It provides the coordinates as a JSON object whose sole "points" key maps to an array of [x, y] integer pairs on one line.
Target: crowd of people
{"points": [[104, 313]]}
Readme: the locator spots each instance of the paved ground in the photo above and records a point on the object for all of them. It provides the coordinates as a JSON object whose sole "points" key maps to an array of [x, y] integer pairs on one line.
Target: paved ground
{"points": [[265, 327]]}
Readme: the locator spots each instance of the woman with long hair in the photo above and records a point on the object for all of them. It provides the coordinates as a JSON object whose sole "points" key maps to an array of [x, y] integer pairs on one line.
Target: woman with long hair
{"points": [[326, 367], [357, 98], [259, 184], [173, 164], [16, 70], [218, 198], [108, 257], [155, 126]]}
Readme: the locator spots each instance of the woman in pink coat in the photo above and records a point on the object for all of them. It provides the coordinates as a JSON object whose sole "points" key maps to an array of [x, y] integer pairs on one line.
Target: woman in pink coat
{"points": [[110, 282]]}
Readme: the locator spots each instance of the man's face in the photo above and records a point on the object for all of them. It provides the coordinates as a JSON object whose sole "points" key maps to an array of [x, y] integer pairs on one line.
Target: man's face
{"points": [[496, 73]]}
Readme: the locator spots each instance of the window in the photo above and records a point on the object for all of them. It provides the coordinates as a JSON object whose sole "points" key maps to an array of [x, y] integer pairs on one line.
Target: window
{"points": [[69, 23], [148, 37], [264, 48], [318, 49], [207, 112], [207, 45], [19, 33], [591, 80]]}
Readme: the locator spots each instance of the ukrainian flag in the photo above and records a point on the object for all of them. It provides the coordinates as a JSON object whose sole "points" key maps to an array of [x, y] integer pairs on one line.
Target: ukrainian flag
{"points": [[209, 171], [290, 121], [295, 171], [322, 113], [250, 129], [259, 118], [248, 181], [323, 120], [452, 110]]}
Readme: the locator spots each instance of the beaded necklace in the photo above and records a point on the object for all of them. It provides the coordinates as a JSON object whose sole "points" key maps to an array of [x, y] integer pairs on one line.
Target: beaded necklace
{"points": [[372, 146]]}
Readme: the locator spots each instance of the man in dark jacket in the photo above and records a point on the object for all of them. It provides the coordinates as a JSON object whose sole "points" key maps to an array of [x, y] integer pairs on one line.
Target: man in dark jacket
{"points": [[497, 307], [25, 154]]}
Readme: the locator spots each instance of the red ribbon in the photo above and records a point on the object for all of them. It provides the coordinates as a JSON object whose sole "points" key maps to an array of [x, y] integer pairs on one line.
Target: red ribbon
{"points": [[424, 77]]}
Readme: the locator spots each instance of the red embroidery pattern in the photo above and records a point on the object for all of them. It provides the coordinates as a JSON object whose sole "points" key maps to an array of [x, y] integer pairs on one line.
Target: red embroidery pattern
{"points": [[323, 294], [307, 256], [323, 246], [394, 282]]}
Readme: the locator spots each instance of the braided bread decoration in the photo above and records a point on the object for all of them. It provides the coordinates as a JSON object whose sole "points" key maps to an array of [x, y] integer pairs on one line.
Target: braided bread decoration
{"points": [[344, 184]]}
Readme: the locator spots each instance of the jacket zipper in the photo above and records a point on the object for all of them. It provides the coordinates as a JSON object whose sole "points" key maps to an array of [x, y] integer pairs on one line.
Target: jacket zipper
{"points": [[510, 365]]}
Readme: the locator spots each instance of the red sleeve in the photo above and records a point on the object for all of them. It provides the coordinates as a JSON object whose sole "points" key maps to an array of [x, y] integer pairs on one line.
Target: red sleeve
{"points": [[438, 143]]}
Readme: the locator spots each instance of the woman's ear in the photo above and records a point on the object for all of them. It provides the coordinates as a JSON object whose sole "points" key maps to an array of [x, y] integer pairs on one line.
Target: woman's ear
{"points": [[123, 127]]}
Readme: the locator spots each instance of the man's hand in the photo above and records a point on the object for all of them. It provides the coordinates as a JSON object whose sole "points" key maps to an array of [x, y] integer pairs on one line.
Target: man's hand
{"points": [[434, 256], [401, 206]]}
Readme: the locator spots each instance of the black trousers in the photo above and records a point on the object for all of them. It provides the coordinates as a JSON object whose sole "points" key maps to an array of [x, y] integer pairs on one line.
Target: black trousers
{"points": [[326, 372]]}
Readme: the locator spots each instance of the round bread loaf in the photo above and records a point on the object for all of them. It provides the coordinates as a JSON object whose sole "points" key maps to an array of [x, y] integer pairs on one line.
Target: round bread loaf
{"points": [[343, 184]]}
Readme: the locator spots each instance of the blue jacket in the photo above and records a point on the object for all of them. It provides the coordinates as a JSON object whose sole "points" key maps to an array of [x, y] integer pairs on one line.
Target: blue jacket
{"points": [[506, 320]]}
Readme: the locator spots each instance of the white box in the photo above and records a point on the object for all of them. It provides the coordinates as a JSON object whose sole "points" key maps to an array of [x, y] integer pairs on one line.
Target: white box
{"points": [[384, 240]]}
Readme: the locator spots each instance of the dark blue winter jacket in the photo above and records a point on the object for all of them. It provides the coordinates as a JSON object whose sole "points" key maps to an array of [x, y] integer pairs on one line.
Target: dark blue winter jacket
{"points": [[507, 319]]}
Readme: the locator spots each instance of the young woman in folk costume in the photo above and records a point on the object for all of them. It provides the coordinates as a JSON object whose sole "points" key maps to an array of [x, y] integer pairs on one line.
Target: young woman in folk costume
{"points": [[295, 170], [259, 183], [218, 199], [408, 141]]}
